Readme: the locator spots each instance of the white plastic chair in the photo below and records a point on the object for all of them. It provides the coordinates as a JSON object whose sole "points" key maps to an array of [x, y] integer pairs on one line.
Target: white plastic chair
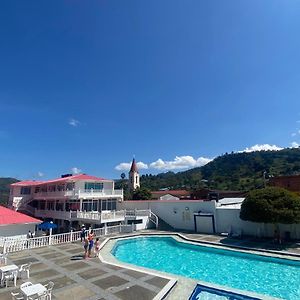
{"points": [[25, 284], [17, 296], [24, 270], [10, 276], [3, 258], [49, 287]]}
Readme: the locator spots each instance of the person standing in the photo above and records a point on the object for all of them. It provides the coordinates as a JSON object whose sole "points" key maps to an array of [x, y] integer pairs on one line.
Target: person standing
{"points": [[86, 246], [91, 241], [97, 247], [82, 233]]}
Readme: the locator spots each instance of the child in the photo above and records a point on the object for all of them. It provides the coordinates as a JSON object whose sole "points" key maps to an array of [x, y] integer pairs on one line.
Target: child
{"points": [[97, 247]]}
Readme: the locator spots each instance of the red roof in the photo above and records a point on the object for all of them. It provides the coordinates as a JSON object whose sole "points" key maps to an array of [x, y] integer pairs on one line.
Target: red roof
{"points": [[9, 217], [65, 179]]}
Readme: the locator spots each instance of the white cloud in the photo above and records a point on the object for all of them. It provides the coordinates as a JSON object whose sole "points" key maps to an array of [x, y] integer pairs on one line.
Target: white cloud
{"points": [[180, 162], [40, 174], [294, 134], [76, 170], [263, 147], [295, 145], [74, 122], [126, 166]]}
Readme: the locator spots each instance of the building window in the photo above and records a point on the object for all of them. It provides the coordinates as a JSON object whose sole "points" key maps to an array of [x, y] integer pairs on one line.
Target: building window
{"points": [[25, 190], [93, 186], [37, 189], [70, 186]]}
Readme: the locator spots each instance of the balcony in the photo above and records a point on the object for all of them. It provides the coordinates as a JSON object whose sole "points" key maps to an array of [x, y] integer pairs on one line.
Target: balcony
{"points": [[80, 194], [89, 216], [92, 216]]}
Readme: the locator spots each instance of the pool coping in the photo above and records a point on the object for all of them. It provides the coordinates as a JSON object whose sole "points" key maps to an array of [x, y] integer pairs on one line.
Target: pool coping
{"points": [[173, 279]]}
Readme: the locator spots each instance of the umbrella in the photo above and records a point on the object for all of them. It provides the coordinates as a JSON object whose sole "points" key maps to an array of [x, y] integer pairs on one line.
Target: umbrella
{"points": [[47, 225]]}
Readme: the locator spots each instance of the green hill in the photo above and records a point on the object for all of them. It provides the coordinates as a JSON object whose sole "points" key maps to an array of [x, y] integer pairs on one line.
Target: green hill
{"points": [[4, 189], [235, 171]]}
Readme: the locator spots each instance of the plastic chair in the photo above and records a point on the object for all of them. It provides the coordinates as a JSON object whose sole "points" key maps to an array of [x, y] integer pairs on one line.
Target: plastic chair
{"points": [[3, 258], [24, 270], [49, 287], [10, 276], [17, 296]]}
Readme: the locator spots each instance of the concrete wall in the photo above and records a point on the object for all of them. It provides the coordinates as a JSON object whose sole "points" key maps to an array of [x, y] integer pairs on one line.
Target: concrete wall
{"points": [[229, 219], [180, 215], [16, 229]]}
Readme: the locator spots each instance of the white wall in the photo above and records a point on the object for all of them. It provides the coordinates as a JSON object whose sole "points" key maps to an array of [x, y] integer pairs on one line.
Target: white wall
{"points": [[178, 214], [227, 218], [16, 229]]}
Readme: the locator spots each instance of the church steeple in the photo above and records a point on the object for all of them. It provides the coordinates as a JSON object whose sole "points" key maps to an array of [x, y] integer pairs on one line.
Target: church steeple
{"points": [[134, 176]]}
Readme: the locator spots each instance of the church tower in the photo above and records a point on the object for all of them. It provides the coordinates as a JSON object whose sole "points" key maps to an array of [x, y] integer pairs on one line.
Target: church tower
{"points": [[134, 176]]}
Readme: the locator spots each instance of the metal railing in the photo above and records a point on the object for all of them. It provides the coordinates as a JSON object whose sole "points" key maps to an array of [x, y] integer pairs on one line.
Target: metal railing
{"points": [[15, 245]]}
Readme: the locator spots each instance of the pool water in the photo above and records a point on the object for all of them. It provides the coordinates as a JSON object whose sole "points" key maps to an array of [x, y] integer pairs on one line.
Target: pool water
{"points": [[265, 275]]}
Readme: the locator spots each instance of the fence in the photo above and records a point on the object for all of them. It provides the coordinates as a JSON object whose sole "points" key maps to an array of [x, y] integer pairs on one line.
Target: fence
{"points": [[14, 245]]}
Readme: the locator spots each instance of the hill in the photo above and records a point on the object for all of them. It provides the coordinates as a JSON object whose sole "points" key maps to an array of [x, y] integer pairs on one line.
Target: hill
{"points": [[235, 171], [4, 189]]}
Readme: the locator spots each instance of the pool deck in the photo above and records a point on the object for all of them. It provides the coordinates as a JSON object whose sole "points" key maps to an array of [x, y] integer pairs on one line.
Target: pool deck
{"points": [[90, 279]]}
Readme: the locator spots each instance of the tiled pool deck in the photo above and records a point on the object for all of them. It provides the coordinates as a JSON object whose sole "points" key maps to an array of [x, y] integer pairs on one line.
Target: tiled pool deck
{"points": [[90, 279]]}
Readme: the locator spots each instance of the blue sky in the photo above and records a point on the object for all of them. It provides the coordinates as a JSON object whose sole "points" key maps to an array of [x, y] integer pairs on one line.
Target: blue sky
{"points": [[88, 84]]}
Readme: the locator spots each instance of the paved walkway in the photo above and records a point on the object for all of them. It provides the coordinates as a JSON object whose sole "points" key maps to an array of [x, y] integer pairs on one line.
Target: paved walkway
{"points": [[89, 279], [83, 279]]}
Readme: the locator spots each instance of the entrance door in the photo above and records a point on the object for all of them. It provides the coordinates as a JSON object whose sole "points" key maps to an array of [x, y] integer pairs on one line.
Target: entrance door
{"points": [[204, 224]]}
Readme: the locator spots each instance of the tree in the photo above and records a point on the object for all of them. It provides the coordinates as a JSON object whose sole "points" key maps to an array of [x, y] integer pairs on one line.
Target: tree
{"points": [[123, 176], [141, 194], [271, 205]]}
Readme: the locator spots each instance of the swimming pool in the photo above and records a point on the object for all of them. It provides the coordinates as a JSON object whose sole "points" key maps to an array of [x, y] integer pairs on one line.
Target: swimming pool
{"points": [[265, 275]]}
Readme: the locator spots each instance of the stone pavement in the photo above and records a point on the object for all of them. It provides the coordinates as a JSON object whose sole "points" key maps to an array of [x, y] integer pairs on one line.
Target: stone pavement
{"points": [[83, 279], [89, 279]]}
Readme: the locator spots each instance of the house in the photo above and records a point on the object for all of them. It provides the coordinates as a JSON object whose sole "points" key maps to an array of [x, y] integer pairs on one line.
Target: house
{"points": [[14, 223], [69, 201], [170, 195], [291, 183], [210, 194]]}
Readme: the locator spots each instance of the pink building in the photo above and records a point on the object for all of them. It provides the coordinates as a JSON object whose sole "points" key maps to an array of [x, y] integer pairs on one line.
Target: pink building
{"points": [[69, 201]]}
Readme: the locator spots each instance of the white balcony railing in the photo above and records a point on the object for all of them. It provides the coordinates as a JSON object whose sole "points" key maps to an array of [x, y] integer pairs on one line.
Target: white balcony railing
{"points": [[100, 217], [14, 245], [80, 194]]}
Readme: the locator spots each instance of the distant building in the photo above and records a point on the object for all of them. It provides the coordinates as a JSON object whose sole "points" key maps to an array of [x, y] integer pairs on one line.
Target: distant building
{"points": [[134, 176], [69, 201], [14, 223], [170, 195], [291, 183], [208, 194]]}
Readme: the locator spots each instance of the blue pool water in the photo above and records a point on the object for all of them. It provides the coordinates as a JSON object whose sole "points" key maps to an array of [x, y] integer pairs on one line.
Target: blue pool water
{"points": [[265, 275]]}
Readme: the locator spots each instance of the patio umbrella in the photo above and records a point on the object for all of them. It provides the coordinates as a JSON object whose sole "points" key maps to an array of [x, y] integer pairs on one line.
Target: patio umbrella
{"points": [[47, 225]]}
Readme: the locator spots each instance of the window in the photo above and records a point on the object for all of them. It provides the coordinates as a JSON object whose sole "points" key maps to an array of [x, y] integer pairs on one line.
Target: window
{"points": [[25, 190], [37, 189], [61, 187], [93, 186], [70, 186]]}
